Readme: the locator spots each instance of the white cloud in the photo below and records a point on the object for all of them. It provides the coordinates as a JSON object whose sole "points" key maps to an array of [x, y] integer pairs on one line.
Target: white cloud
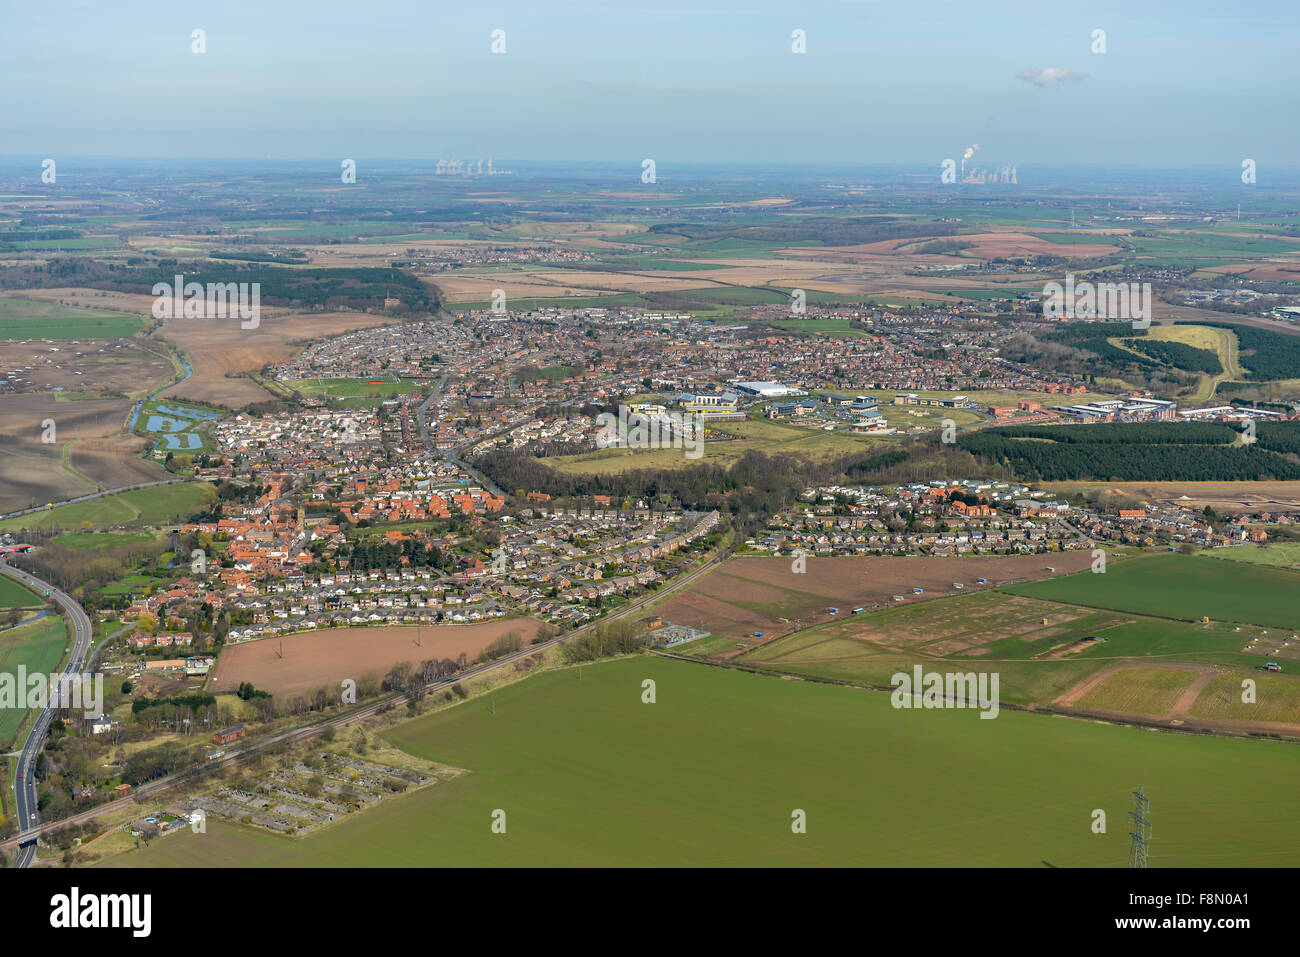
{"points": [[1050, 76]]}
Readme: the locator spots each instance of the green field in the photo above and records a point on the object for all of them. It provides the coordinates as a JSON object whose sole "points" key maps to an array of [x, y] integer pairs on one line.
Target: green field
{"points": [[143, 506], [14, 595], [88, 541], [1087, 237], [1208, 248], [818, 654], [1281, 554], [351, 388], [988, 295], [84, 242], [38, 646], [711, 773], [1185, 587], [839, 328], [21, 319]]}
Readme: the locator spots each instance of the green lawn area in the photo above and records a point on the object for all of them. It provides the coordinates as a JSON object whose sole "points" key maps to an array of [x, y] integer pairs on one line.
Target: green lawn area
{"points": [[37, 646], [1186, 587], [710, 775], [143, 506], [21, 319], [14, 595]]}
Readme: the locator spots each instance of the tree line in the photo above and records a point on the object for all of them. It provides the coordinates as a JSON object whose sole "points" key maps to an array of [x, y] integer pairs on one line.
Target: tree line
{"points": [[1147, 453]]}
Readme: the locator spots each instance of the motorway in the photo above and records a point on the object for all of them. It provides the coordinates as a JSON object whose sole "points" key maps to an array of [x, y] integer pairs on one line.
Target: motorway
{"points": [[295, 735], [25, 792]]}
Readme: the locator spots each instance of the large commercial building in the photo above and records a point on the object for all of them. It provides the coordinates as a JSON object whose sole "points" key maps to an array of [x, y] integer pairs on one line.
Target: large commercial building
{"points": [[766, 390]]}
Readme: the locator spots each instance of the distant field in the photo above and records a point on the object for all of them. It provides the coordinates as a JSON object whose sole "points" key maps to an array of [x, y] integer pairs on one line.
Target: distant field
{"points": [[1010, 292], [840, 328], [22, 319], [1209, 248], [709, 776], [1070, 239], [85, 242], [37, 646], [14, 595], [1229, 497], [145, 506], [1186, 587]]}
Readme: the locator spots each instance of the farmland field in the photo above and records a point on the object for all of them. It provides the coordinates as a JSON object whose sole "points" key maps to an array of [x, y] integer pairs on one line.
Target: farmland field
{"points": [[314, 659], [38, 646], [34, 472], [24, 319], [88, 541], [1185, 587], [1151, 691], [1281, 554], [711, 773], [1277, 699], [145, 506], [1229, 497], [1117, 654], [14, 595], [751, 594]]}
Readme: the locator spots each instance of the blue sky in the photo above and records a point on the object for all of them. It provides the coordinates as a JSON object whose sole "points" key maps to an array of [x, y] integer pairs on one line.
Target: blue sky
{"points": [[1189, 82]]}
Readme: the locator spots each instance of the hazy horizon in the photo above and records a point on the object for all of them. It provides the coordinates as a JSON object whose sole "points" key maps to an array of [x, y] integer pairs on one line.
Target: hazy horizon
{"points": [[1178, 84]]}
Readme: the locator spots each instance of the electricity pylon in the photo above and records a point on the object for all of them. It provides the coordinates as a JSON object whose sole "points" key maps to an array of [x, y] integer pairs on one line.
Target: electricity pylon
{"points": [[1141, 833]]}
